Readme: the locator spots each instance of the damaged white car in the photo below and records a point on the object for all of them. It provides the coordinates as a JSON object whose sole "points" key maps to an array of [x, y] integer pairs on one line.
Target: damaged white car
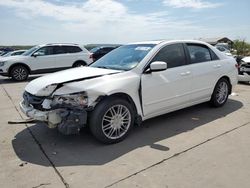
{"points": [[244, 70], [133, 83]]}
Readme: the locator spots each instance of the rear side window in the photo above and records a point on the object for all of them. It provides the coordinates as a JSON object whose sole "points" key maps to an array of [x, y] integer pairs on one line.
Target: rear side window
{"points": [[213, 55], [199, 53], [72, 49], [58, 50], [173, 55]]}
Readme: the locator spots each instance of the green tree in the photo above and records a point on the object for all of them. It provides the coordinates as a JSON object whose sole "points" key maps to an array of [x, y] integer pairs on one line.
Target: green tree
{"points": [[241, 47]]}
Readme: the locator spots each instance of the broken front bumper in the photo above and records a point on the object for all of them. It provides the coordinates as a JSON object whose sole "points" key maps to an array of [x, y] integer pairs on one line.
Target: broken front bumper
{"points": [[52, 117], [67, 121]]}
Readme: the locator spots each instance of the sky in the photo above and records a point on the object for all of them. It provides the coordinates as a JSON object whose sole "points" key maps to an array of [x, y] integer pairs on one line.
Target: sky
{"points": [[30, 22]]}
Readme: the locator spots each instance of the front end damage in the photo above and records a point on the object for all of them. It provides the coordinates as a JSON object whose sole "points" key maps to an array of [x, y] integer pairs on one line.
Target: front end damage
{"points": [[68, 113]]}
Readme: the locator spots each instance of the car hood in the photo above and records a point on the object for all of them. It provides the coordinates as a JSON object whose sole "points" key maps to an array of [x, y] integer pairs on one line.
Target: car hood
{"points": [[13, 58], [46, 85], [246, 59]]}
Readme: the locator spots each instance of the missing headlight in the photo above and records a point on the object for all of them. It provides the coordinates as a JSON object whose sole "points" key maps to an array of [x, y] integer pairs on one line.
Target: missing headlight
{"points": [[75, 100]]}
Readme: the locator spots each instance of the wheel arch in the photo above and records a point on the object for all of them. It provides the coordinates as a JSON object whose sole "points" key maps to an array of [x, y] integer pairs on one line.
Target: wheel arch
{"points": [[123, 96], [16, 64], [79, 61], [127, 97], [229, 81]]}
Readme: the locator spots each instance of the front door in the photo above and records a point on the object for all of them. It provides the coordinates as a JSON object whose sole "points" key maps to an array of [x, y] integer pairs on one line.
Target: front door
{"points": [[168, 89], [43, 59]]}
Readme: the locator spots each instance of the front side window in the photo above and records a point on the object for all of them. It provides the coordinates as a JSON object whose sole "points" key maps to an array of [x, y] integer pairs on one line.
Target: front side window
{"points": [[172, 54], [17, 53], [124, 58], [47, 50], [198, 53]]}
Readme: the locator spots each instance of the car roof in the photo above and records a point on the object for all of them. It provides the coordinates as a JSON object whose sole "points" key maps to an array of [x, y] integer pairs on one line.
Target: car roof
{"points": [[59, 44], [170, 41]]}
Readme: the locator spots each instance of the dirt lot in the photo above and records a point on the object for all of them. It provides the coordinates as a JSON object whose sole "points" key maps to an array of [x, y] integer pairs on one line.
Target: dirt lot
{"points": [[195, 147]]}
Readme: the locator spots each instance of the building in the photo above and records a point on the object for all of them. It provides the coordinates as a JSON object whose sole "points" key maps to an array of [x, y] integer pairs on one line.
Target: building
{"points": [[214, 41]]}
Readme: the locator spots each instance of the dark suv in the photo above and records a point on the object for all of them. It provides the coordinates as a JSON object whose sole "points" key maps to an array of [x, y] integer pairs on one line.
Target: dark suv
{"points": [[100, 51]]}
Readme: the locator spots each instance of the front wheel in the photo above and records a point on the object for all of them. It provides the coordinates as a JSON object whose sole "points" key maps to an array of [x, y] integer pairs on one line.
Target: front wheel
{"points": [[111, 120], [19, 73], [220, 93]]}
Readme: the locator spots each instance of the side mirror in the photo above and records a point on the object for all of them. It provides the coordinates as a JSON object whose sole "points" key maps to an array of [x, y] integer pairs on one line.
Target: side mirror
{"points": [[157, 66], [37, 54]]}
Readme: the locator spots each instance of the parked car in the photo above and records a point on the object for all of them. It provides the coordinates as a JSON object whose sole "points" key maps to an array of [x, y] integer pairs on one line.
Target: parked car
{"points": [[14, 53], [224, 50], [44, 59], [244, 70], [132, 83], [100, 51], [5, 50]]}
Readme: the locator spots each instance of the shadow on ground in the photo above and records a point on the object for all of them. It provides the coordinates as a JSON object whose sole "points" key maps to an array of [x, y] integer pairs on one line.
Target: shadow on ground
{"points": [[83, 149]]}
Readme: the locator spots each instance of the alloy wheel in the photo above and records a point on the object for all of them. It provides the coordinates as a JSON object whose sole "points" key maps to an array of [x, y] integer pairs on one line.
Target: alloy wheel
{"points": [[222, 92], [116, 121]]}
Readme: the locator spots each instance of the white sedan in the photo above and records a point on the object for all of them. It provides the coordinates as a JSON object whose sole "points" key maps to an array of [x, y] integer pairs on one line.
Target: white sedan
{"points": [[133, 83]]}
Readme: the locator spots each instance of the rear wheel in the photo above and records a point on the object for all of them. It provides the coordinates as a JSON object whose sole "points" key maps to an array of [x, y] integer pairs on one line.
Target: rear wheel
{"points": [[220, 93], [19, 73], [111, 120]]}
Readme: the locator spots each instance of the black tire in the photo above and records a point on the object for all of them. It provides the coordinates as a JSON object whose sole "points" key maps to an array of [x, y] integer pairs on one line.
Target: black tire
{"points": [[79, 64], [97, 120], [215, 100], [19, 73]]}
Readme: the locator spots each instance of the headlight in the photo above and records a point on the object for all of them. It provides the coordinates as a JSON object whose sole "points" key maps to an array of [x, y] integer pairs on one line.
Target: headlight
{"points": [[2, 63], [71, 100]]}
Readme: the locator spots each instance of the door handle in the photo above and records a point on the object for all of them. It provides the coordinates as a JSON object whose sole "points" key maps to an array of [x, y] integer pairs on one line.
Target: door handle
{"points": [[185, 73], [217, 66]]}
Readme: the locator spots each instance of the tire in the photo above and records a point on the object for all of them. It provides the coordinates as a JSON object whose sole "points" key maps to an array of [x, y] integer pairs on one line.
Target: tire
{"points": [[220, 93], [19, 73], [79, 64], [111, 120]]}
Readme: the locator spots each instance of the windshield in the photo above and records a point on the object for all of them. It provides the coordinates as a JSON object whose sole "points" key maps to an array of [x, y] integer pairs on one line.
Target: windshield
{"points": [[124, 58], [31, 50]]}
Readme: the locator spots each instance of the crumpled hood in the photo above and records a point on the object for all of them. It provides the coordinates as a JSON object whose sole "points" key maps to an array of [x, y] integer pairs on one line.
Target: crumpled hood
{"points": [[45, 85]]}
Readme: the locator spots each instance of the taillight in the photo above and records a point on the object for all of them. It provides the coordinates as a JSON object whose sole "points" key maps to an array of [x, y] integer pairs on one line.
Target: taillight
{"points": [[91, 56], [237, 66]]}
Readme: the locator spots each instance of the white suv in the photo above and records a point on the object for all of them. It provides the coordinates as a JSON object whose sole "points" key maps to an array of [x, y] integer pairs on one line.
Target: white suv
{"points": [[132, 83], [44, 59]]}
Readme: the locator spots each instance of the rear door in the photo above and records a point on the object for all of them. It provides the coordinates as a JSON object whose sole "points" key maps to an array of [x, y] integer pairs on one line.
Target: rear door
{"points": [[166, 90], [205, 67], [70, 55]]}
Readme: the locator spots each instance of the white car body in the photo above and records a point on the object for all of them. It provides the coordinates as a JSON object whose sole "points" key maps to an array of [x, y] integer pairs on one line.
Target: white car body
{"points": [[152, 94], [37, 64]]}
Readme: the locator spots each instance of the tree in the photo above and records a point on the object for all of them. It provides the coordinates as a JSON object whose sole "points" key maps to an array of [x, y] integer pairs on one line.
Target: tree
{"points": [[242, 47]]}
